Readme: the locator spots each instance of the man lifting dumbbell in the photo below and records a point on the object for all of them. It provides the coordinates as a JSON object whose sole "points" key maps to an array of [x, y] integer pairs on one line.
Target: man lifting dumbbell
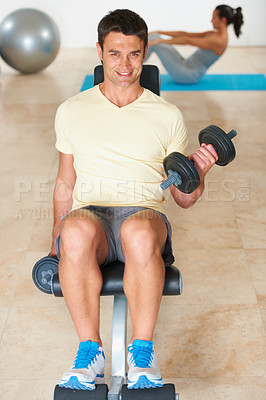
{"points": [[112, 140], [181, 171]]}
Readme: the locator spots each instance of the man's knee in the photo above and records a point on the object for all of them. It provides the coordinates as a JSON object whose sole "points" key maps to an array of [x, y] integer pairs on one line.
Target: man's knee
{"points": [[142, 238], [79, 233]]}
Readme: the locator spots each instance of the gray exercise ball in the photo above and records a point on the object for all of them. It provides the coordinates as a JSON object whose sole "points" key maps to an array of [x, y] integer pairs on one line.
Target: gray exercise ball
{"points": [[29, 40]]}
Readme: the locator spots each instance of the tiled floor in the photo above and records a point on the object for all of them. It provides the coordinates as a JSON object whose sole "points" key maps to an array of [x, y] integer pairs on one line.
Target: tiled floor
{"points": [[214, 347]]}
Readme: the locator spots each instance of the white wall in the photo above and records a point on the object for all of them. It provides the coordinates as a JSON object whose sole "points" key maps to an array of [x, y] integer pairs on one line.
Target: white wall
{"points": [[77, 20]]}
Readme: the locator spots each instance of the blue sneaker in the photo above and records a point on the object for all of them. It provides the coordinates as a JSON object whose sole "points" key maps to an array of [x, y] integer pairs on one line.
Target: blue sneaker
{"points": [[143, 370], [88, 368]]}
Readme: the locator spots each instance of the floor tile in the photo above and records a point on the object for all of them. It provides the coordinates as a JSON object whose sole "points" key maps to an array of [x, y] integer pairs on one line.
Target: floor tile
{"points": [[214, 277], [210, 341], [221, 388]]}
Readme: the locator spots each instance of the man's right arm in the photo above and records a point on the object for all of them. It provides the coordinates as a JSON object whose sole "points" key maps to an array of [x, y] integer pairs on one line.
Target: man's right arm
{"points": [[204, 158], [63, 191]]}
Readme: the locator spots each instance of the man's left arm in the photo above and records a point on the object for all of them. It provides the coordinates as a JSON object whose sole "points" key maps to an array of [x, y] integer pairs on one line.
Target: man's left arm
{"points": [[204, 158]]}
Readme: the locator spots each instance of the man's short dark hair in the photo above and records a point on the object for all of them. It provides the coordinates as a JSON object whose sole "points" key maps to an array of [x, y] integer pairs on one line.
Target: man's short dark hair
{"points": [[123, 21]]}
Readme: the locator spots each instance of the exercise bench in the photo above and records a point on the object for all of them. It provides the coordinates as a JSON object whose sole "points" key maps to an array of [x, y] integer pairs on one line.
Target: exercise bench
{"points": [[45, 277]]}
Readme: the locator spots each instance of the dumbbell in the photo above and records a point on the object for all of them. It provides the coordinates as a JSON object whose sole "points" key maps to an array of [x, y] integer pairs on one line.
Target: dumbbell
{"points": [[181, 171], [43, 273]]}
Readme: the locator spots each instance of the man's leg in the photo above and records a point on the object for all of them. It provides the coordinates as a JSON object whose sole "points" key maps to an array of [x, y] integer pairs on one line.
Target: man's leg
{"points": [[143, 238], [83, 248]]}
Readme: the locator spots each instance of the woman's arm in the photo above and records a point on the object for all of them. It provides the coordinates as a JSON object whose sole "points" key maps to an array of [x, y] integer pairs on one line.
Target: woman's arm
{"points": [[183, 33], [209, 42]]}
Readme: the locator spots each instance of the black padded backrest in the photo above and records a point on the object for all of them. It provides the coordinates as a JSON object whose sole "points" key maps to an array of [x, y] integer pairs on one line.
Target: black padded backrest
{"points": [[149, 78]]}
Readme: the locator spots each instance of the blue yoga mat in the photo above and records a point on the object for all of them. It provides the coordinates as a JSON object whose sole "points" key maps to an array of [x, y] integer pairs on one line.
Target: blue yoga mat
{"points": [[208, 82], [218, 82]]}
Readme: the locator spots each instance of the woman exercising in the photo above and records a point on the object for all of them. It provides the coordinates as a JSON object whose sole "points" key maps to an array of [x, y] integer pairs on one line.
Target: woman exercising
{"points": [[211, 45]]}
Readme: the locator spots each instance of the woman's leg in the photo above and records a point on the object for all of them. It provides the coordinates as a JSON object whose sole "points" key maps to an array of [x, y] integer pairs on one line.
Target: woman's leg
{"points": [[169, 56], [173, 62]]}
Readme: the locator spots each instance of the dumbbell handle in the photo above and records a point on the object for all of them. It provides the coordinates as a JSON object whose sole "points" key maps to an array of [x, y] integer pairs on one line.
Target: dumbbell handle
{"points": [[230, 134], [173, 178]]}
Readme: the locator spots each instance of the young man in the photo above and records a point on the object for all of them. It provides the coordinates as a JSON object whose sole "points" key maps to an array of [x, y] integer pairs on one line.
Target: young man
{"points": [[112, 140]]}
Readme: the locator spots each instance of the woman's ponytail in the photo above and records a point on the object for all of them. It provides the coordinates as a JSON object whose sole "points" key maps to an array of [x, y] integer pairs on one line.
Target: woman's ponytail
{"points": [[238, 20], [233, 16]]}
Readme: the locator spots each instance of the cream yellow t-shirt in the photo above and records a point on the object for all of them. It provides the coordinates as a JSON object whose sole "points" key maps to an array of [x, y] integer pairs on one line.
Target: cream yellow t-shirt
{"points": [[118, 152]]}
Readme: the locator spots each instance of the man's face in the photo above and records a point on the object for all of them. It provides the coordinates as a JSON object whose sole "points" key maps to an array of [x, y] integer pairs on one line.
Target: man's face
{"points": [[122, 58]]}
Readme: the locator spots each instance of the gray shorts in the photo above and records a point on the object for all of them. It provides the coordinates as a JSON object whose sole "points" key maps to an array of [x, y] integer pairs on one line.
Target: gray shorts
{"points": [[111, 219]]}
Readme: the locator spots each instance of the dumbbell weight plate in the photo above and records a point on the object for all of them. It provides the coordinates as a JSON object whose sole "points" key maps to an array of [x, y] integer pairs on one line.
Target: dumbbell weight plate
{"points": [[185, 168], [223, 145], [43, 272]]}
